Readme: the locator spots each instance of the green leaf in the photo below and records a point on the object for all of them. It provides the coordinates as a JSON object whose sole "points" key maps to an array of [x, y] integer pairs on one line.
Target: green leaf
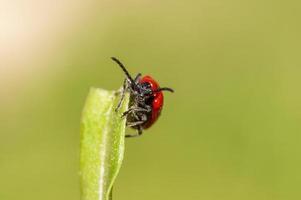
{"points": [[102, 143]]}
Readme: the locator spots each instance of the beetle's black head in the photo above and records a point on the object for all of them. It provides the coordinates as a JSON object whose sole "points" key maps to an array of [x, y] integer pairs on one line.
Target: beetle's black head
{"points": [[145, 89]]}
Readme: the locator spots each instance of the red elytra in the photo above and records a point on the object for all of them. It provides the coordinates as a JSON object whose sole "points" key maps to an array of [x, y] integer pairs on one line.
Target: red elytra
{"points": [[146, 100]]}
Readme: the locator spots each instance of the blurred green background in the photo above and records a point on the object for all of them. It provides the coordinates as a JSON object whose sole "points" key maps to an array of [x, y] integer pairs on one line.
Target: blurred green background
{"points": [[231, 130]]}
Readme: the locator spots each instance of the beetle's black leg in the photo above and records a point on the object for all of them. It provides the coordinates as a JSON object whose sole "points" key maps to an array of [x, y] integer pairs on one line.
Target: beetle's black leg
{"points": [[139, 133], [124, 87], [131, 124], [139, 122], [138, 126], [136, 109]]}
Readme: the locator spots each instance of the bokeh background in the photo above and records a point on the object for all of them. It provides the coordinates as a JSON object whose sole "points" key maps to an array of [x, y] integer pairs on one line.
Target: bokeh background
{"points": [[231, 130]]}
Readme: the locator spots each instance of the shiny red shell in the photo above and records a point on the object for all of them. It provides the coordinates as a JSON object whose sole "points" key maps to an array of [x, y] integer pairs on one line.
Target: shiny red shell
{"points": [[157, 102]]}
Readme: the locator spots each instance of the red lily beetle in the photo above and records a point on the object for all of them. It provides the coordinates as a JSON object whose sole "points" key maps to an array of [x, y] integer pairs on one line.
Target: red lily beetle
{"points": [[146, 100]]}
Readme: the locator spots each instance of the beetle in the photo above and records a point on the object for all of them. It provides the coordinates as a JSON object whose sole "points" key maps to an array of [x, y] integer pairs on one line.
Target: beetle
{"points": [[146, 100]]}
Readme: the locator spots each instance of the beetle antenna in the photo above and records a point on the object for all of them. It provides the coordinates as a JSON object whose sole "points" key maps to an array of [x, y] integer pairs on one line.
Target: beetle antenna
{"points": [[123, 69], [164, 89]]}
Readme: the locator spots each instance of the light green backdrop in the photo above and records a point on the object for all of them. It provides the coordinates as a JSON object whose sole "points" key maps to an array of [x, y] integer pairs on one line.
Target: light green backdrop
{"points": [[230, 132]]}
